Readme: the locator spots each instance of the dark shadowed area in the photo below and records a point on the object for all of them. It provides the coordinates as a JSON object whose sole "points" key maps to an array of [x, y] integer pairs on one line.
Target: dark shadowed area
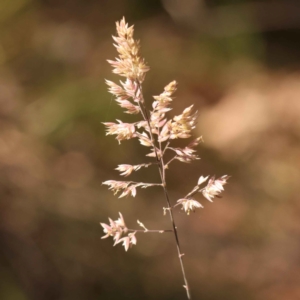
{"points": [[238, 62]]}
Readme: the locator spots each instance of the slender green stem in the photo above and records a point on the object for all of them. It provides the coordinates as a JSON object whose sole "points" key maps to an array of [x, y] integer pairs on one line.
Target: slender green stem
{"points": [[142, 183], [145, 231], [161, 168], [195, 190], [166, 165]]}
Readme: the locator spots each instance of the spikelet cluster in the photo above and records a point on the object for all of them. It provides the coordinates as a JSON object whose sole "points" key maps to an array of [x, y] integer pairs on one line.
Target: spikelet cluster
{"points": [[155, 130], [117, 229], [129, 64]]}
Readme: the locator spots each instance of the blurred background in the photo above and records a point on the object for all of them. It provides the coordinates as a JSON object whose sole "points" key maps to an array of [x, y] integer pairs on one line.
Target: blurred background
{"points": [[237, 61]]}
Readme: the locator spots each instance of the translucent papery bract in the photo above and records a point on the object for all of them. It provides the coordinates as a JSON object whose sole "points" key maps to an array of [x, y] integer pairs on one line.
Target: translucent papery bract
{"points": [[156, 117], [179, 127], [131, 108], [128, 169], [202, 179], [154, 153], [130, 87], [120, 221], [214, 187], [124, 131], [165, 132], [123, 29], [144, 139], [185, 154], [183, 124], [143, 124], [127, 187], [125, 169], [127, 241], [157, 120], [117, 186], [164, 99], [189, 205], [129, 190], [115, 229], [116, 90]]}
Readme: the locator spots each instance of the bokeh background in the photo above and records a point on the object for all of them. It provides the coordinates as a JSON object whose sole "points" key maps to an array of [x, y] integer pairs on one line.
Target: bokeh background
{"points": [[237, 61]]}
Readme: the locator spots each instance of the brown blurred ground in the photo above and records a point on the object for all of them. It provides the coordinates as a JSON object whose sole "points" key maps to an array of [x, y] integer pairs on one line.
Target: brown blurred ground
{"points": [[237, 61]]}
